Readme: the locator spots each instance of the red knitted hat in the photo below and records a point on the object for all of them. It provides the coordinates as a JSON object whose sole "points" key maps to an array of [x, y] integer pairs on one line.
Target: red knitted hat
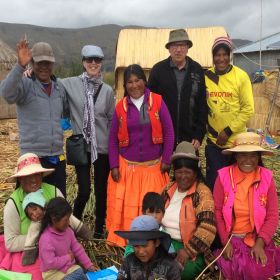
{"points": [[222, 40]]}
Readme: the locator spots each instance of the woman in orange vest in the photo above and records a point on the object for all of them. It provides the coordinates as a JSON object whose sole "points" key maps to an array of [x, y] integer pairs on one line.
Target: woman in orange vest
{"points": [[189, 212], [140, 145]]}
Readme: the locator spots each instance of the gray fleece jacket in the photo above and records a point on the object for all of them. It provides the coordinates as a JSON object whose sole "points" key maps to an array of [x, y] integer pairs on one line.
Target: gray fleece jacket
{"points": [[38, 114], [103, 110]]}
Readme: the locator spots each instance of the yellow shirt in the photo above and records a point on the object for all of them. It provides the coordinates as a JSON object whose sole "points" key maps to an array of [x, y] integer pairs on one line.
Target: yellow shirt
{"points": [[230, 102]]}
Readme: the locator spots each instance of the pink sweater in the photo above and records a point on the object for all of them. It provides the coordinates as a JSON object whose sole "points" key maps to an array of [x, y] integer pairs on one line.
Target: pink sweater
{"points": [[54, 248], [265, 230]]}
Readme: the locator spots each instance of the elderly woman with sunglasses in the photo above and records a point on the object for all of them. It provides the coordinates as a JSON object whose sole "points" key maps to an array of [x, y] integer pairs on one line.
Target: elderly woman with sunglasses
{"points": [[246, 210], [92, 104]]}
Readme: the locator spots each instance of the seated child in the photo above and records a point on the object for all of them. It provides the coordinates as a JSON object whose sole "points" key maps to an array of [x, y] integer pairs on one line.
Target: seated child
{"points": [[152, 205], [33, 205], [59, 250], [150, 259]]}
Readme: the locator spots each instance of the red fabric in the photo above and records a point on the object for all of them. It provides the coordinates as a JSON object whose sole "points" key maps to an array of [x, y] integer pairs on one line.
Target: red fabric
{"points": [[154, 107], [12, 262], [48, 89]]}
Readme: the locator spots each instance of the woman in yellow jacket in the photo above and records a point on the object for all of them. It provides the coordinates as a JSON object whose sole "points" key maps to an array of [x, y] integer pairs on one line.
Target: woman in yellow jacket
{"points": [[231, 104]]}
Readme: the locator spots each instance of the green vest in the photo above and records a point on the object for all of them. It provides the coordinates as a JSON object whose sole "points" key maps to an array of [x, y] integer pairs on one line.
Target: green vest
{"points": [[49, 192]]}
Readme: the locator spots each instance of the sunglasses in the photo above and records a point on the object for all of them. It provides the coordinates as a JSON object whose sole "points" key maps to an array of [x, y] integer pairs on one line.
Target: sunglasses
{"points": [[97, 60]]}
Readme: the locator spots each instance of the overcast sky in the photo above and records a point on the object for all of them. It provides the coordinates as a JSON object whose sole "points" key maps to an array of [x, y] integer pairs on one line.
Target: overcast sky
{"points": [[241, 18]]}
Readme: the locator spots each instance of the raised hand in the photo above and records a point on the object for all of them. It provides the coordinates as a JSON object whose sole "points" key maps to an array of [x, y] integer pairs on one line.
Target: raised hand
{"points": [[23, 52]]}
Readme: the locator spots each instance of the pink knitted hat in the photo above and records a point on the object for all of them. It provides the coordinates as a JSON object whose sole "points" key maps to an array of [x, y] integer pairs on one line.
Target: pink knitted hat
{"points": [[222, 40]]}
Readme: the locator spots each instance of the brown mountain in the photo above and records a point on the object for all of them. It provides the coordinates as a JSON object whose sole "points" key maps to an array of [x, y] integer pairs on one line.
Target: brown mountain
{"points": [[67, 43]]}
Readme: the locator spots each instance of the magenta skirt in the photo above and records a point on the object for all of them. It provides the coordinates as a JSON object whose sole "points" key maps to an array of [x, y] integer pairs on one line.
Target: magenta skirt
{"points": [[244, 267], [12, 262]]}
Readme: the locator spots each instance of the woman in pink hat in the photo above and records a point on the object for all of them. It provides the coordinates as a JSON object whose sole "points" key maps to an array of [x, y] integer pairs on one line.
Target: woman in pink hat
{"points": [[29, 173], [246, 211]]}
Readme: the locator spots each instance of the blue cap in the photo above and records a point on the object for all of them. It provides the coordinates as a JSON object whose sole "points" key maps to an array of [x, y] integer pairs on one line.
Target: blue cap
{"points": [[35, 198], [144, 223], [92, 51], [144, 228]]}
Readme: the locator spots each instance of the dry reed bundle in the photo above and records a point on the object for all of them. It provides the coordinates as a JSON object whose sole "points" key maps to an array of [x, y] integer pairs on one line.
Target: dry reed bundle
{"points": [[98, 250]]}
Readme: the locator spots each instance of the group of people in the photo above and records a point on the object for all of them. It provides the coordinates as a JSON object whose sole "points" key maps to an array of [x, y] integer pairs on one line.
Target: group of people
{"points": [[157, 126]]}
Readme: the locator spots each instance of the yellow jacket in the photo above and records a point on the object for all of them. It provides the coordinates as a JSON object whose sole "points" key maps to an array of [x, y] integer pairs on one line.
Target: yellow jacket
{"points": [[230, 101]]}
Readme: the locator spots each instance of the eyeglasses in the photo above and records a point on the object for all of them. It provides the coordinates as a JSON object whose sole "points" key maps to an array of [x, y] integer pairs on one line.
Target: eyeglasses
{"points": [[97, 60], [177, 46]]}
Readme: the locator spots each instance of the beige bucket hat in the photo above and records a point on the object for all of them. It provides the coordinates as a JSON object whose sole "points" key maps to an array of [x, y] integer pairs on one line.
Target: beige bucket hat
{"points": [[29, 164], [184, 150], [178, 35], [248, 142]]}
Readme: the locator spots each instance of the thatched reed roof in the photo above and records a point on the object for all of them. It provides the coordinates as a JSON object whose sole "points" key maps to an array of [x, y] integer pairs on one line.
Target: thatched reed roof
{"points": [[7, 57], [263, 95], [147, 47]]}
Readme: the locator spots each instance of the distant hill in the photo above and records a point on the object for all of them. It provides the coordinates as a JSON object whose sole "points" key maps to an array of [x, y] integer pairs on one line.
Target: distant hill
{"points": [[240, 42], [67, 43]]}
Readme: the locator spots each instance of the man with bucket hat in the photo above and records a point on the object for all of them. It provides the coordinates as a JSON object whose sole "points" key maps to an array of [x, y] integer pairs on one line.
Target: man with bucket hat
{"points": [[41, 101], [180, 81]]}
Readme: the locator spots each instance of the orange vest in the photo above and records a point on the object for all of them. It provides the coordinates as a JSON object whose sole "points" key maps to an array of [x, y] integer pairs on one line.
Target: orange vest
{"points": [[187, 213], [154, 104]]}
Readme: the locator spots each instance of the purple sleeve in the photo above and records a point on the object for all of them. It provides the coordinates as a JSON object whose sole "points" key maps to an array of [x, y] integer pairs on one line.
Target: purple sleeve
{"points": [[79, 252], [218, 195], [270, 224], [114, 143], [48, 257], [168, 133]]}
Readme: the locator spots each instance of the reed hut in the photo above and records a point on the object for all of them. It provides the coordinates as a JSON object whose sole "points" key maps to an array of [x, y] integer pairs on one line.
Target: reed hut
{"points": [[147, 47], [263, 95], [8, 58]]}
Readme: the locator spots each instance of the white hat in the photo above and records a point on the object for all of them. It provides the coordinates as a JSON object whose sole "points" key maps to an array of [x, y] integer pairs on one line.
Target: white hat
{"points": [[92, 51], [29, 164]]}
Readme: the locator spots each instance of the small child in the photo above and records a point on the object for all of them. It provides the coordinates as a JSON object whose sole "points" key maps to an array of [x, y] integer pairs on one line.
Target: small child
{"points": [[153, 205], [58, 247], [150, 259], [33, 205]]}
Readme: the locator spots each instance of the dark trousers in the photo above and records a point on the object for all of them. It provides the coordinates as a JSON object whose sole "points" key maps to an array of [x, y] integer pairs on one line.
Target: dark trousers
{"points": [[215, 160], [58, 177], [101, 172]]}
